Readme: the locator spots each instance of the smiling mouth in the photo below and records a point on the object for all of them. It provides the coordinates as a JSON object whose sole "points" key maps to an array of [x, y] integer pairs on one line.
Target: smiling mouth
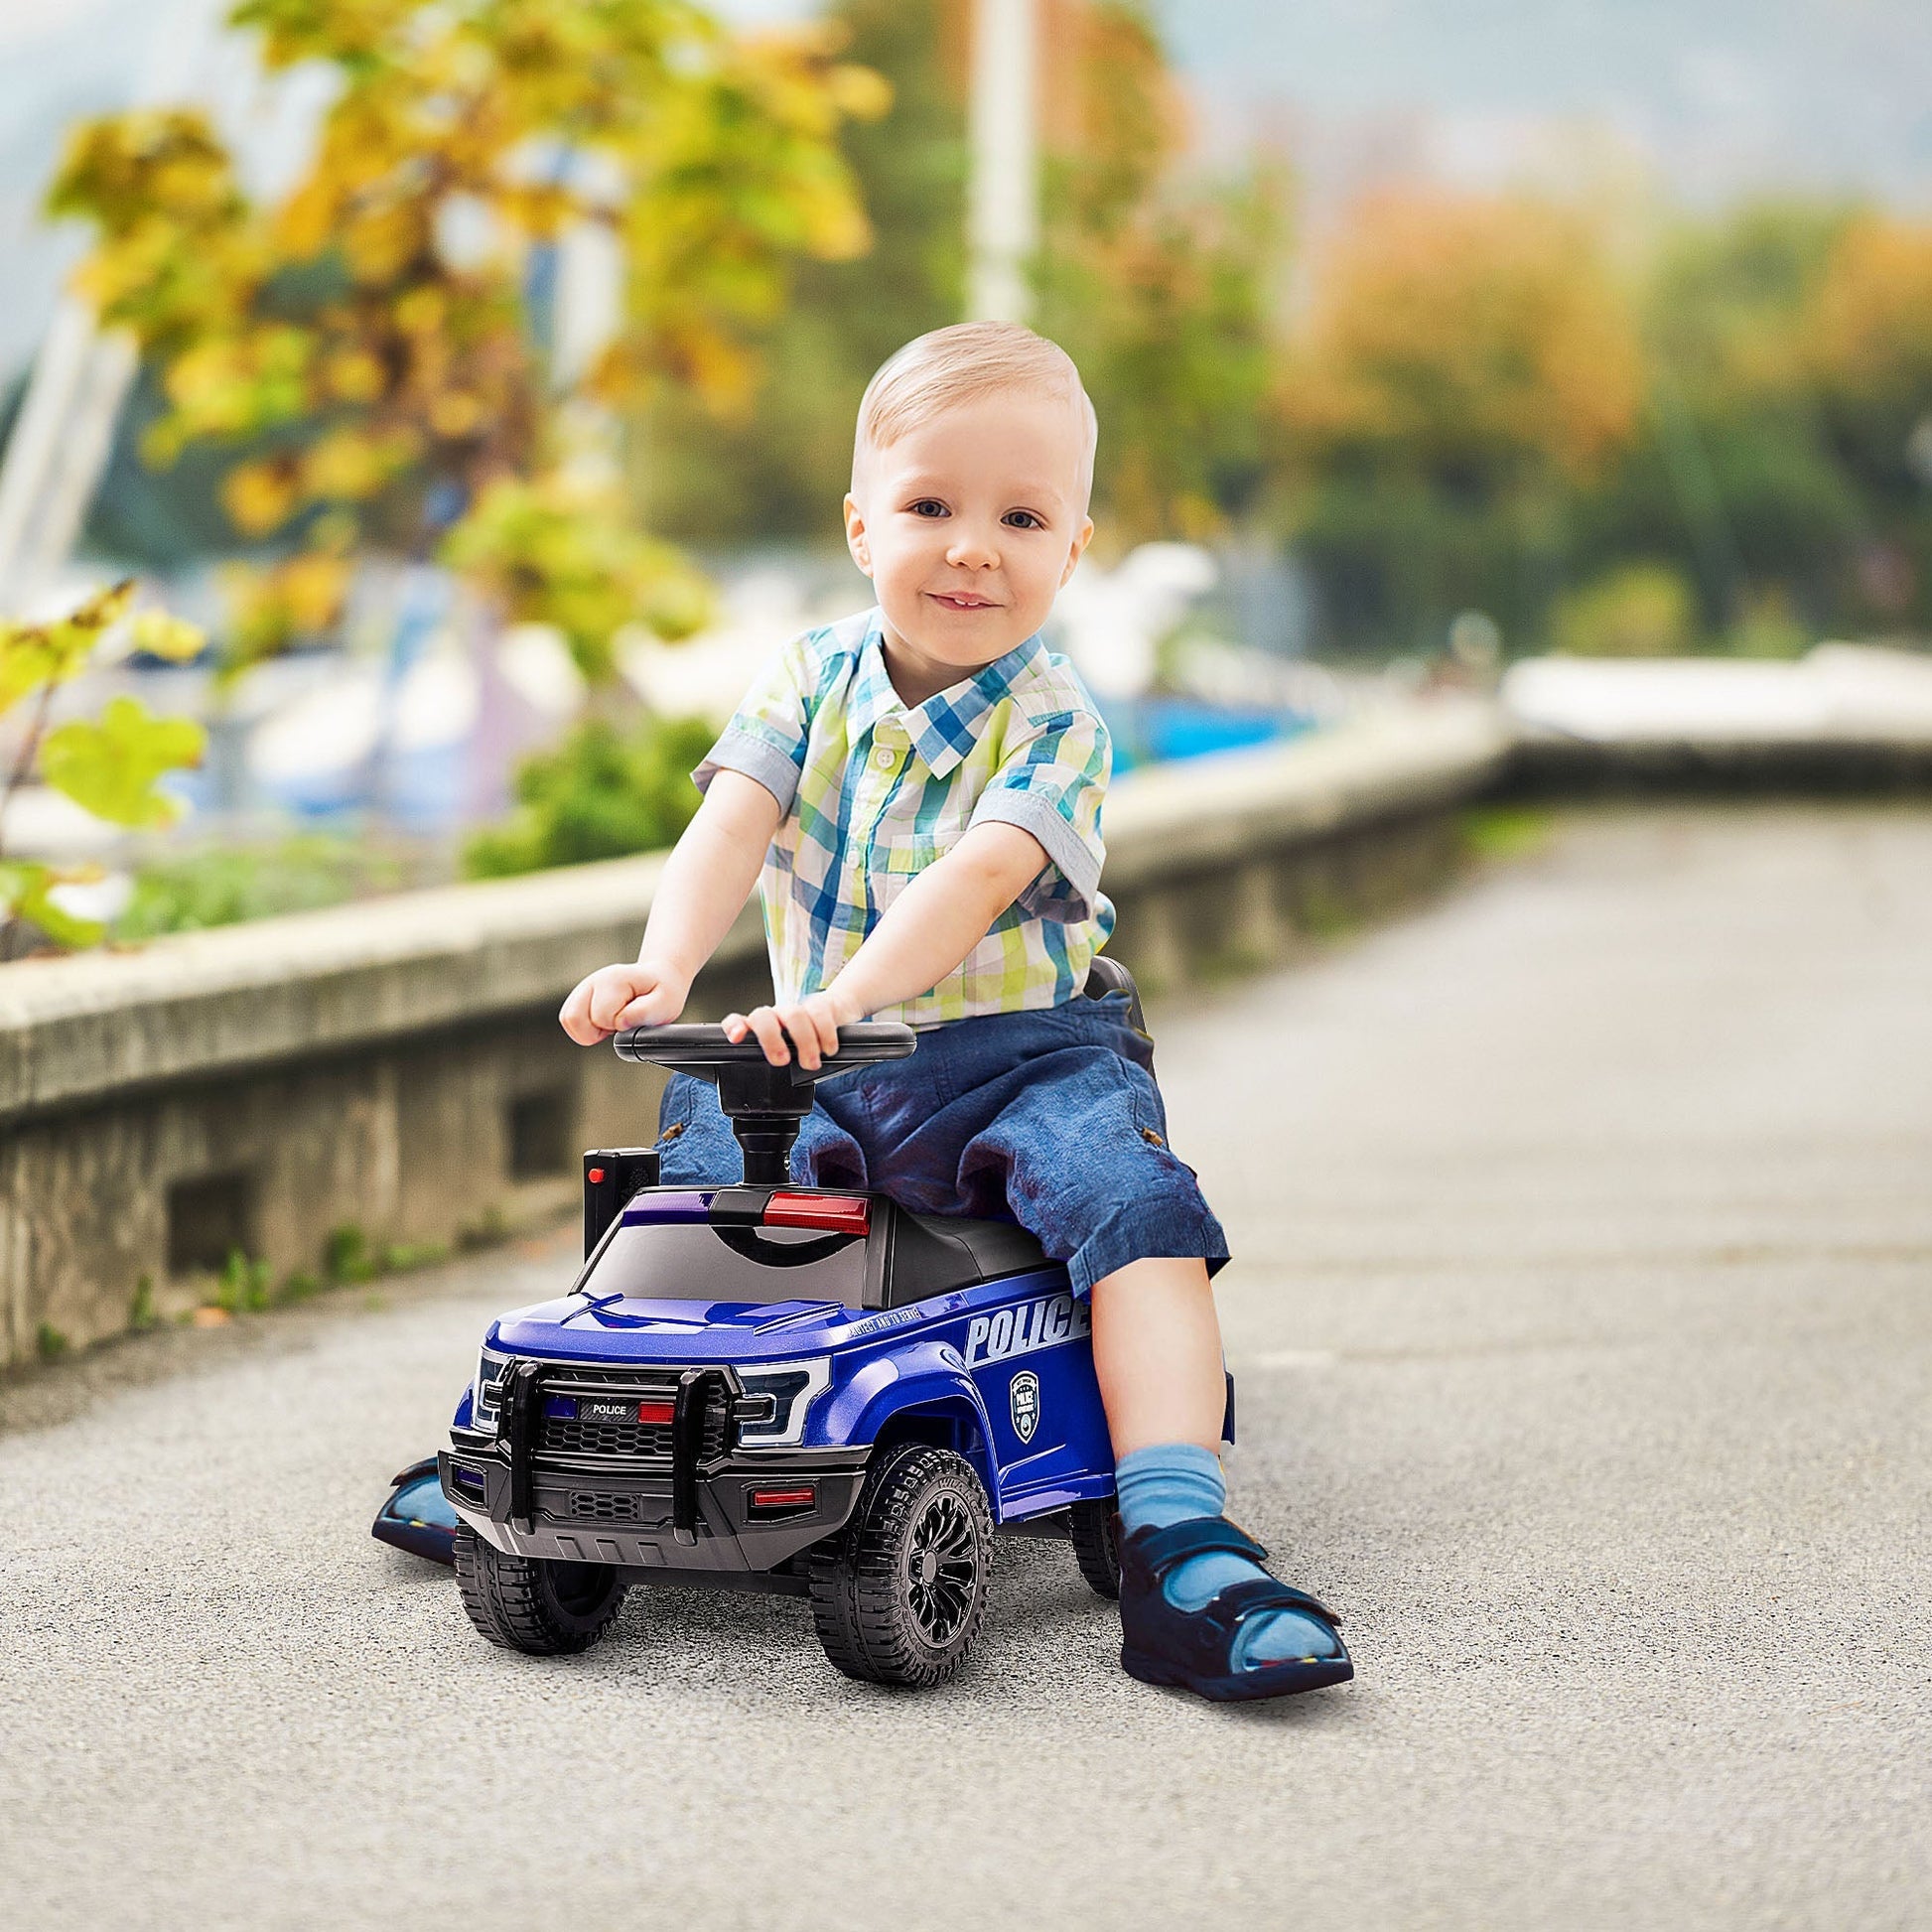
{"points": [[962, 601]]}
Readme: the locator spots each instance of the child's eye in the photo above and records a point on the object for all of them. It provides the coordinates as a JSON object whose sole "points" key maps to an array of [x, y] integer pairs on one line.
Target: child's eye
{"points": [[1023, 520], [927, 506]]}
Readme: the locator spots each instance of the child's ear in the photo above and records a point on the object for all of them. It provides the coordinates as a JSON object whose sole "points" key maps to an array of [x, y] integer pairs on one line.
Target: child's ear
{"points": [[855, 534], [1074, 555]]}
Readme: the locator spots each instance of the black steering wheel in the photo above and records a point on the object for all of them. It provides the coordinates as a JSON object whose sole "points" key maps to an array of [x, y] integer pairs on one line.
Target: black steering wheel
{"points": [[705, 1051]]}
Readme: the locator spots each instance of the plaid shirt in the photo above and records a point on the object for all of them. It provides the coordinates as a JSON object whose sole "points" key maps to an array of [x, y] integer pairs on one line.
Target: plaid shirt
{"points": [[872, 794]]}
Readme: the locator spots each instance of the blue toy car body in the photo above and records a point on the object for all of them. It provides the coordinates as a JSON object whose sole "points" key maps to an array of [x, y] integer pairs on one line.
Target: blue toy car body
{"points": [[771, 1387]]}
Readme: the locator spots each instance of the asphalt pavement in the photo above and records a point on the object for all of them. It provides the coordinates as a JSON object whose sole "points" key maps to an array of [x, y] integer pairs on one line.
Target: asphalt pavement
{"points": [[1583, 1322]]}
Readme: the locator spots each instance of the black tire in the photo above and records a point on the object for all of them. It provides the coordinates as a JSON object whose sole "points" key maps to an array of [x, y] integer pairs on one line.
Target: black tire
{"points": [[527, 1604], [899, 1594], [1096, 1529]]}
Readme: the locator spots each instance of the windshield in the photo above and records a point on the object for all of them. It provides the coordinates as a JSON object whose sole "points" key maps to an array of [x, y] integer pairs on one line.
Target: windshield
{"points": [[690, 1261]]}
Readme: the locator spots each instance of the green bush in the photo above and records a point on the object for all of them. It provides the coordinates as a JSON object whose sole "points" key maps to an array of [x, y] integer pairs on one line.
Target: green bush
{"points": [[600, 794], [217, 887], [1639, 611]]}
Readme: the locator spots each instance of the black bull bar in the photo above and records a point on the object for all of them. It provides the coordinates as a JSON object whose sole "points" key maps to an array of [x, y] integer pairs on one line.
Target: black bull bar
{"points": [[695, 1388]]}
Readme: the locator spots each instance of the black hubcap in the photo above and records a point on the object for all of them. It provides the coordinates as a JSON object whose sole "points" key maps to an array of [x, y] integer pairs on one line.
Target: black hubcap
{"points": [[943, 1567]]}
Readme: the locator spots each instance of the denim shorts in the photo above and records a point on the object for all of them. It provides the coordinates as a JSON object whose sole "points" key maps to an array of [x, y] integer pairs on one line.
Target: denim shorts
{"points": [[1049, 1118]]}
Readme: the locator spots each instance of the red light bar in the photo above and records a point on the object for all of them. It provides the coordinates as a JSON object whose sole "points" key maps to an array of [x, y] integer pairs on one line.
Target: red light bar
{"points": [[836, 1213], [657, 1411], [783, 1498]]}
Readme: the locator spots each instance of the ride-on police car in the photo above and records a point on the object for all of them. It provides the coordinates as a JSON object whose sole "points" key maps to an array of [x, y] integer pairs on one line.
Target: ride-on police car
{"points": [[775, 1388]]}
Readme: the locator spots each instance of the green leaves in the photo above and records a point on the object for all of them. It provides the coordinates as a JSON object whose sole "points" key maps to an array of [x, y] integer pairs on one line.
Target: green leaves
{"points": [[552, 551], [110, 767], [26, 888], [31, 655]]}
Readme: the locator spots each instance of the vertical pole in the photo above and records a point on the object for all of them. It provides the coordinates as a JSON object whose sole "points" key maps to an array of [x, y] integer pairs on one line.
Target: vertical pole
{"points": [[1003, 218]]}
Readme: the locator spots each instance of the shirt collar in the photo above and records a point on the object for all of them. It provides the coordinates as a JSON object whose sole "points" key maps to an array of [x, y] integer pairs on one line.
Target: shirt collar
{"points": [[942, 728]]}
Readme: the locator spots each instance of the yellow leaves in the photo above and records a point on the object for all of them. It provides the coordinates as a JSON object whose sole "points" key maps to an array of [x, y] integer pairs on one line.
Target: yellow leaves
{"points": [[271, 607], [306, 225], [553, 551], [124, 171], [354, 374], [31, 655], [162, 634], [378, 310], [352, 465], [422, 310], [1467, 331], [455, 414], [859, 93], [1872, 323], [381, 241], [259, 496], [110, 766]]}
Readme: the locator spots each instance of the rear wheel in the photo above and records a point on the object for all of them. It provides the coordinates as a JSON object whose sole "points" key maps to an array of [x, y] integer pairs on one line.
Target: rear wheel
{"points": [[1096, 1529], [899, 1595], [528, 1603]]}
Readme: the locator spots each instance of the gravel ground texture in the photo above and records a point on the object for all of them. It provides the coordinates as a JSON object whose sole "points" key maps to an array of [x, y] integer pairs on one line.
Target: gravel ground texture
{"points": [[1581, 1314]]}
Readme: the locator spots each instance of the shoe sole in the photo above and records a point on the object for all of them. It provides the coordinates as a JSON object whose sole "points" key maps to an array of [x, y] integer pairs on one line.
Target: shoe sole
{"points": [[1269, 1681]]}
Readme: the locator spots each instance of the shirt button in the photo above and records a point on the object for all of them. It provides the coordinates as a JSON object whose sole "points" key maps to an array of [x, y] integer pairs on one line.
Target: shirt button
{"points": [[884, 758]]}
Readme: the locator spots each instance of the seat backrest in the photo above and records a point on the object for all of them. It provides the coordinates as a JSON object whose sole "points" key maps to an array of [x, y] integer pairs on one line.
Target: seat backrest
{"points": [[1108, 975]]}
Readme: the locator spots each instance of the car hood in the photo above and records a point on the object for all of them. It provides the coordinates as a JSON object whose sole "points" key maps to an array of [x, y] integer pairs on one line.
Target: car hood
{"points": [[620, 1329]]}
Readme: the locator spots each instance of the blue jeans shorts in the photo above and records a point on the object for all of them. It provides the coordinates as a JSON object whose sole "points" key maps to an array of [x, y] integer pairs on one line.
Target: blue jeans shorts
{"points": [[1049, 1118]]}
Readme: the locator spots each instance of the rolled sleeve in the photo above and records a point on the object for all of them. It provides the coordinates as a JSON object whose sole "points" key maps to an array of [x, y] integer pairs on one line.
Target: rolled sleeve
{"points": [[766, 738], [1052, 784]]}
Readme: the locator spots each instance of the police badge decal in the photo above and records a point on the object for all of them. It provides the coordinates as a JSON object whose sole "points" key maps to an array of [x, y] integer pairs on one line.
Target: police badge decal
{"points": [[1023, 1399]]}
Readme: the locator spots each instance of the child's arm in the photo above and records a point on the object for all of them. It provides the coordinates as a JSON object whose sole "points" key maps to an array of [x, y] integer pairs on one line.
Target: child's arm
{"points": [[927, 932], [706, 881]]}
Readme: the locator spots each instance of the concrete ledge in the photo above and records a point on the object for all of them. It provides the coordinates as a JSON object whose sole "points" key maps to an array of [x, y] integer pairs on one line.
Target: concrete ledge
{"points": [[395, 1067]]}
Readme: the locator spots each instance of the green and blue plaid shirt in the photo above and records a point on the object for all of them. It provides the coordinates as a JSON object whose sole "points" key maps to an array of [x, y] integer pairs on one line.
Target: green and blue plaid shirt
{"points": [[872, 794]]}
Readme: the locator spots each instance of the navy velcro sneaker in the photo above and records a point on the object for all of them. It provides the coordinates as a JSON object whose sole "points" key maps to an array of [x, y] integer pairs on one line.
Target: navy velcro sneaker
{"points": [[1198, 1650]]}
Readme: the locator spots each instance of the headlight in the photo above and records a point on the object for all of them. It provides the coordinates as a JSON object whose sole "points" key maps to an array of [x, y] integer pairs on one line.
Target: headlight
{"points": [[771, 1410], [483, 1409]]}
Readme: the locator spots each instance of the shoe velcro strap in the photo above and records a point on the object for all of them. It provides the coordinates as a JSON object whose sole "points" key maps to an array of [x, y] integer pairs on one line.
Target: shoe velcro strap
{"points": [[1162, 1549], [1256, 1596]]}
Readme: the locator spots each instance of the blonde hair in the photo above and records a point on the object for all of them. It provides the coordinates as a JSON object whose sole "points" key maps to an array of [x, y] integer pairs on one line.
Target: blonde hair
{"points": [[947, 367]]}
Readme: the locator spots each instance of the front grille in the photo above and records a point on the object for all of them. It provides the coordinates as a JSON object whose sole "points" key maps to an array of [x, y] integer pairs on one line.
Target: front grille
{"points": [[588, 1507], [572, 1436], [642, 1445]]}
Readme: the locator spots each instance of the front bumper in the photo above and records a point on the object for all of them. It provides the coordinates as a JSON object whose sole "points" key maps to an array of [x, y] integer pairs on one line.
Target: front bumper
{"points": [[693, 1510], [616, 1517]]}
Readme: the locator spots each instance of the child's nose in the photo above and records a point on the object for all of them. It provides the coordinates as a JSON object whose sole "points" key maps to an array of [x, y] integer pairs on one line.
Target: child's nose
{"points": [[972, 548]]}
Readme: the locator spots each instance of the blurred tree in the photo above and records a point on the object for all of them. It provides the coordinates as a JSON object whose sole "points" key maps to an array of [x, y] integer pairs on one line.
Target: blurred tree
{"points": [[1731, 478], [1159, 285], [1867, 340], [1464, 365], [361, 349], [1158, 282], [775, 464]]}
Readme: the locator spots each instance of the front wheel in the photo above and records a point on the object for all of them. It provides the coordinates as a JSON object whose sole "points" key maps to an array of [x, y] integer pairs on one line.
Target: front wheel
{"points": [[899, 1595], [528, 1603]]}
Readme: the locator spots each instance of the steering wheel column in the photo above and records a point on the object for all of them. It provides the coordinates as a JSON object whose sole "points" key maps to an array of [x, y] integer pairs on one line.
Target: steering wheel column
{"points": [[765, 1104]]}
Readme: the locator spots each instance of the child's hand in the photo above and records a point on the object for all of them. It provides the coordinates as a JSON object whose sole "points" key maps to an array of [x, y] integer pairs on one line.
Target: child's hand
{"points": [[648, 994], [812, 1024]]}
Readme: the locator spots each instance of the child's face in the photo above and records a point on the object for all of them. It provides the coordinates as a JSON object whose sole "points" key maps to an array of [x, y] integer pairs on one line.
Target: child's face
{"points": [[968, 525]]}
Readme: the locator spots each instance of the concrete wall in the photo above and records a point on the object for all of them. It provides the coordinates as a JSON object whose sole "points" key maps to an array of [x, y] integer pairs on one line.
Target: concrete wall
{"points": [[395, 1068]]}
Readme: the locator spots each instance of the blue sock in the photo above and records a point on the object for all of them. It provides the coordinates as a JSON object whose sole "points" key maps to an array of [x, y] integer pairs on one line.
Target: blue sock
{"points": [[1173, 1481]]}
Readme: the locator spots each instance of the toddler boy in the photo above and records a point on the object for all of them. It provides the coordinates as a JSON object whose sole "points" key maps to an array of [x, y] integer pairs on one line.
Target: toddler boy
{"points": [[921, 788]]}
